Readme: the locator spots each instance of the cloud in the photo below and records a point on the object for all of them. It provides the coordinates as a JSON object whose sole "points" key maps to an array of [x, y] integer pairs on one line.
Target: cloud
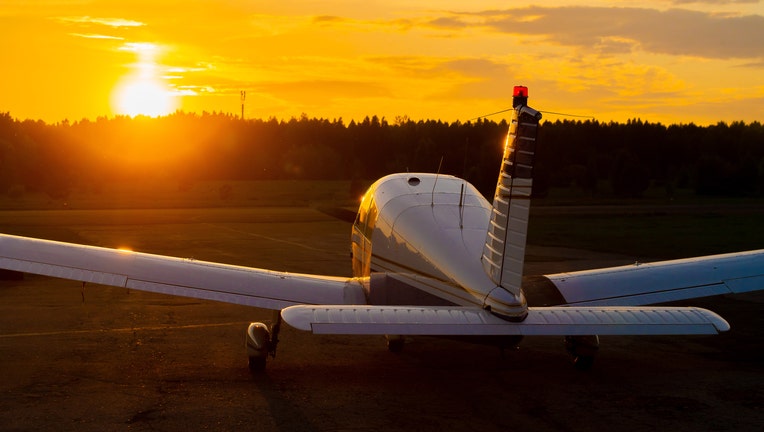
{"points": [[673, 31], [450, 22], [399, 24], [96, 36], [715, 2], [109, 22], [475, 67], [754, 64], [328, 19]]}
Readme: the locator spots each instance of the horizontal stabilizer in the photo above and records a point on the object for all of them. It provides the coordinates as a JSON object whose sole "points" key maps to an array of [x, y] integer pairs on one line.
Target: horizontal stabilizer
{"points": [[461, 321]]}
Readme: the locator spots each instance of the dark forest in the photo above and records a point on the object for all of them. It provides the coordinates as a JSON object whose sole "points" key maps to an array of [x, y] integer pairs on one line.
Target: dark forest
{"points": [[599, 159]]}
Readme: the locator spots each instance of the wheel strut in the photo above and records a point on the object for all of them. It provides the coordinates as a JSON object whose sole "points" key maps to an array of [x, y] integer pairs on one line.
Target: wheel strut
{"points": [[261, 342]]}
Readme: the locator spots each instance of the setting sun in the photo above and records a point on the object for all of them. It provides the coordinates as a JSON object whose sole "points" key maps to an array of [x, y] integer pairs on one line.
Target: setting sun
{"points": [[142, 92], [143, 97]]}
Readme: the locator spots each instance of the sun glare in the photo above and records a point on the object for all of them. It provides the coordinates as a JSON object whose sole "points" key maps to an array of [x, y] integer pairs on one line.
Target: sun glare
{"points": [[142, 92], [142, 96]]}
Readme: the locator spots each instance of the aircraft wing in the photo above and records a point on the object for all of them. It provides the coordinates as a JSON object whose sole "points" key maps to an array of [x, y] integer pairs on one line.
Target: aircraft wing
{"points": [[466, 321], [175, 276], [659, 282], [591, 306]]}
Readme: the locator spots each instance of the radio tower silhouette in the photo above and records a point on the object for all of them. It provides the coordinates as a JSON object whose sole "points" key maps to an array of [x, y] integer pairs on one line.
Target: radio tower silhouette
{"points": [[243, 97]]}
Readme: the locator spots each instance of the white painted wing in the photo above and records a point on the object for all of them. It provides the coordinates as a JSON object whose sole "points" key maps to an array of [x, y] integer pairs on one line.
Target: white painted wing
{"points": [[175, 276], [665, 281], [459, 321]]}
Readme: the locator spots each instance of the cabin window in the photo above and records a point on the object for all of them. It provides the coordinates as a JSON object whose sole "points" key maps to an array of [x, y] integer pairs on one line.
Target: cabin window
{"points": [[371, 219], [366, 218]]}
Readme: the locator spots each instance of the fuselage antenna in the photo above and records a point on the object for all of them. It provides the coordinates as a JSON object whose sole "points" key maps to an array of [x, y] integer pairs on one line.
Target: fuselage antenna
{"points": [[461, 207], [432, 203]]}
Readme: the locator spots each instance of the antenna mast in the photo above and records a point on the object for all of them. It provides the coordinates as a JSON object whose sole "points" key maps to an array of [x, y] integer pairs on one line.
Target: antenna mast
{"points": [[243, 97]]}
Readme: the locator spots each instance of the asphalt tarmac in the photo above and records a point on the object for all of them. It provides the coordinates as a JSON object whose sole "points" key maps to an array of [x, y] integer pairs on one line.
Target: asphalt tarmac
{"points": [[103, 359]]}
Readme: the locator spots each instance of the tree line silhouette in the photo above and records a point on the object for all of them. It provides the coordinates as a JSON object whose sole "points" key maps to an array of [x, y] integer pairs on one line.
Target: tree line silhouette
{"points": [[612, 159]]}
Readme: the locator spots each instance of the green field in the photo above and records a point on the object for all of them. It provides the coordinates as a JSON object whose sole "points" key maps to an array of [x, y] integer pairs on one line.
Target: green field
{"points": [[208, 194], [647, 236], [643, 229]]}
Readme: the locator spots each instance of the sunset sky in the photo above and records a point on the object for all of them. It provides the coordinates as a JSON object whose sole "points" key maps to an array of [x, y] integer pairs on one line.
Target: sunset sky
{"points": [[667, 61]]}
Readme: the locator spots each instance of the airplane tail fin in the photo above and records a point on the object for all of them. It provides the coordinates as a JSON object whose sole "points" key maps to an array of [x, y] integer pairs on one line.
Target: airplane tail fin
{"points": [[504, 250]]}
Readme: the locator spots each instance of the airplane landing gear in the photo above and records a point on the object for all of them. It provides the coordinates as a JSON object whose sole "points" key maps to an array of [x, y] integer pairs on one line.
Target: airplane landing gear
{"points": [[261, 342], [582, 349]]}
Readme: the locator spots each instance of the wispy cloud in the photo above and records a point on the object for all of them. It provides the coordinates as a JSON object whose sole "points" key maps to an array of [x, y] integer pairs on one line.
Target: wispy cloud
{"points": [[329, 19], [400, 24], [475, 67], [96, 36], [715, 2], [109, 22], [139, 47]]}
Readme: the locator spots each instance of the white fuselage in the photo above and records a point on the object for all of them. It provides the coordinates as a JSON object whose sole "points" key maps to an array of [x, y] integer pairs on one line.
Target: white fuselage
{"points": [[436, 225]]}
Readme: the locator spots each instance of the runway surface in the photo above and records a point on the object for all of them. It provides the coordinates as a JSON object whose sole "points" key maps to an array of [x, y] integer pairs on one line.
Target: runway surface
{"points": [[103, 359]]}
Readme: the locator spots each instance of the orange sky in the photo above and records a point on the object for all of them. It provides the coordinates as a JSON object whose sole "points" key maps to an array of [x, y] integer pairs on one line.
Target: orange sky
{"points": [[666, 61]]}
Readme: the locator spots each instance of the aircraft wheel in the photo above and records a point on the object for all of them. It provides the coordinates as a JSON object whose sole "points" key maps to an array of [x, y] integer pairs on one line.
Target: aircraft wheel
{"points": [[257, 344], [583, 350]]}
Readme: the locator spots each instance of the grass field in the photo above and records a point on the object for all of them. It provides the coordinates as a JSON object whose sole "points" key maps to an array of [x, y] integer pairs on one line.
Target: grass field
{"points": [[643, 228], [208, 194], [665, 236]]}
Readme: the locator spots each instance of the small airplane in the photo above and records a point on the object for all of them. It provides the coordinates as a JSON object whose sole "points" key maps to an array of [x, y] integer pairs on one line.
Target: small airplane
{"points": [[430, 256]]}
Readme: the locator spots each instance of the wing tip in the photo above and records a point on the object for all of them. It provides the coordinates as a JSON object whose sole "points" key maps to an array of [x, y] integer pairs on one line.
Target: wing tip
{"points": [[298, 317], [720, 324]]}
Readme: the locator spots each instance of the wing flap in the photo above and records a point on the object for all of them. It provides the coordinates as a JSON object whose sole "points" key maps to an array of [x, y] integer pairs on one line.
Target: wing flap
{"points": [[462, 321], [175, 276], [63, 272]]}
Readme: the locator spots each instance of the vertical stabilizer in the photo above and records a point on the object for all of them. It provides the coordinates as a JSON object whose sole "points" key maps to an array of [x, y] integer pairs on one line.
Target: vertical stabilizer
{"points": [[504, 251]]}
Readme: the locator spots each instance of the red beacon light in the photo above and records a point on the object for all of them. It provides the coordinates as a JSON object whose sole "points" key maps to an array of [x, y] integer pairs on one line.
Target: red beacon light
{"points": [[519, 96]]}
